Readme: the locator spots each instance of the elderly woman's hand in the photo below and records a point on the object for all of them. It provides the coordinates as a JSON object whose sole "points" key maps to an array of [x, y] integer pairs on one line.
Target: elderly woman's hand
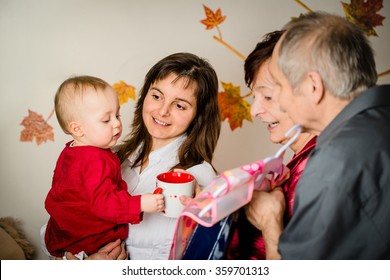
{"points": [[265, 208], [266, 211]]}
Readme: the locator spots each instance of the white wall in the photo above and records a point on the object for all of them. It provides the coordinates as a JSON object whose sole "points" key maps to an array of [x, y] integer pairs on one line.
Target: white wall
{"points": [[42, 42]]}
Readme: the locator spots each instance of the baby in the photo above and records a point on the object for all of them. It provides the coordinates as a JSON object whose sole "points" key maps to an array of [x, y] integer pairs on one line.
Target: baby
{"points": [[88, 203]]}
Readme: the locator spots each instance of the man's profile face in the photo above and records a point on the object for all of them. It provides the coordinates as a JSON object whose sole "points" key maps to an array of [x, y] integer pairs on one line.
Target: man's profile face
{"points": [[291, 100], [282, 88]]}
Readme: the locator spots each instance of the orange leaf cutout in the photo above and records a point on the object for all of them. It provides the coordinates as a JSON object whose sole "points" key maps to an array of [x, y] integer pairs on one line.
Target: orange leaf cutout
{"points": [[364, 14], [124, 92], [212, 19], [232, 106], [36, 127]]}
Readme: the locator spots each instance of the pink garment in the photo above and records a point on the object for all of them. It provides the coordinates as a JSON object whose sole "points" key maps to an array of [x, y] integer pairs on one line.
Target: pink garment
{"points": [[247, 241], [88, 204]]}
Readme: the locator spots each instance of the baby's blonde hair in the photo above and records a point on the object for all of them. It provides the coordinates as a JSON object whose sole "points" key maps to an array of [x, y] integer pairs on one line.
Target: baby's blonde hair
{"points": [[69, 93]]}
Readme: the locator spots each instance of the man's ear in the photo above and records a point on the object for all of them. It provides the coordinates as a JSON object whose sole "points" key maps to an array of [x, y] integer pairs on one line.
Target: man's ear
{"points": [[75, 129], [316, 86]]}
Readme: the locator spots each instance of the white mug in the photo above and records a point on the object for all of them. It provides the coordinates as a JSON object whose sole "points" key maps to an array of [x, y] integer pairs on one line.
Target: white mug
{"points": [[174, 185]]}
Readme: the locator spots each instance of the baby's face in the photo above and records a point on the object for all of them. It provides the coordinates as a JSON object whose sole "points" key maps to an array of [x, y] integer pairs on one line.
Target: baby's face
{"points": [[99, 118]]}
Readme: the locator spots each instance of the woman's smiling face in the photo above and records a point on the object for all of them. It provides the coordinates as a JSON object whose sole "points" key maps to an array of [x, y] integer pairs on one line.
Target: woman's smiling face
{"points": [[266, 108], [169, 108]]}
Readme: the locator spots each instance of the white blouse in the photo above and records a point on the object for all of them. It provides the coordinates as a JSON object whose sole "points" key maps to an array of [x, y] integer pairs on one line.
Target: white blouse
{"points": [[152, 238]]}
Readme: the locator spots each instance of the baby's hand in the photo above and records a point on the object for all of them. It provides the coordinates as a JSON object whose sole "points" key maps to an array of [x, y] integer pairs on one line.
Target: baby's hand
{"points": [[152, 203]]}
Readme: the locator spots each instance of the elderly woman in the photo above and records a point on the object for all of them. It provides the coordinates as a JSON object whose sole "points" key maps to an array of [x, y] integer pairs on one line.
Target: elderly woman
{"points": [[249, 241]]}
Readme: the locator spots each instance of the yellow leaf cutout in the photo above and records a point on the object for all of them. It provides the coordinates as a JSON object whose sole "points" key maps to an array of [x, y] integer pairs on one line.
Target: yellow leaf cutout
{"points": [[232, 106], [124, 92], [36, 127]]}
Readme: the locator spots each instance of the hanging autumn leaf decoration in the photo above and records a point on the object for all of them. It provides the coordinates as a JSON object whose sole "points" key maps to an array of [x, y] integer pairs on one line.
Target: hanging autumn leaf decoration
{"points": [[212, 19], [232, 106], [124, 92], [364, 14], [36, 128]]}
